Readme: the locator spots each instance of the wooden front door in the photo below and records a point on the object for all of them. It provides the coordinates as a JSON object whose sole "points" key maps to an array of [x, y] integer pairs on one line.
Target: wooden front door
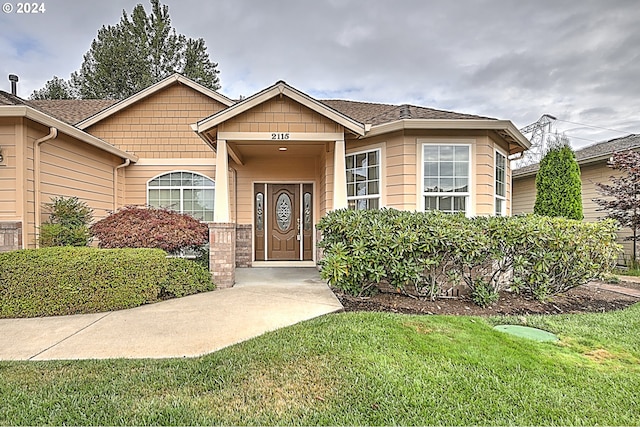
{"points": [[283, 222], [283, 229]]}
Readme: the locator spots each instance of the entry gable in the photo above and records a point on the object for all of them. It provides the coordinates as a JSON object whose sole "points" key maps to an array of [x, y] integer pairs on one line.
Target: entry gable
{"points": [[282, 102]]}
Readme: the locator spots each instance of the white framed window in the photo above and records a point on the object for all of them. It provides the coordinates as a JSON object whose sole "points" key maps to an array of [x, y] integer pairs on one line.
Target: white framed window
{"points": [[446, 177], [183, 191], [500, 184], [363, 179]]}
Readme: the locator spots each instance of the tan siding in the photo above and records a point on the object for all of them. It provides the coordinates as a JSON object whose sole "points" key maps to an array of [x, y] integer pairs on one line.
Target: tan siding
{"points": [[8, 181], [68, 168], [138, 176], [160, 125], [282, 169], [280, 115], [524, 194]]}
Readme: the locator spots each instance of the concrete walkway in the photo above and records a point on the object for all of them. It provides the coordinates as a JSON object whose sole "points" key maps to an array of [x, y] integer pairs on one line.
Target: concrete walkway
{"points": [[263, 299]]}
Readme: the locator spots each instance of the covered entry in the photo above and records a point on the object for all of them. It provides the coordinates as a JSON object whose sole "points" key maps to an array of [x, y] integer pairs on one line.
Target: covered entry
{"points": [[283, 218]]}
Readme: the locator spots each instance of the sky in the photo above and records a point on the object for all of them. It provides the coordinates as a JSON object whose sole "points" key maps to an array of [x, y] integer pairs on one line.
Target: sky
{"points": [[577, 60]]}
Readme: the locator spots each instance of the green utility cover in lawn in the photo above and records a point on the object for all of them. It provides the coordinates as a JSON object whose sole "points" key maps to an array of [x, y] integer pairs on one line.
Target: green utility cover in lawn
{"points": [[527, 332]]}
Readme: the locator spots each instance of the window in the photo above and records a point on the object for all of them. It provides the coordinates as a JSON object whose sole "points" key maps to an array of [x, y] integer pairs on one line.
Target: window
{"points": [[363, 180], [501, 186], [446, 177], [185, 192]]}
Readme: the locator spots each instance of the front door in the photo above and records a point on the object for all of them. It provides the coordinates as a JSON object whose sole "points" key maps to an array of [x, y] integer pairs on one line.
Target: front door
{"points": [[283, 222]]}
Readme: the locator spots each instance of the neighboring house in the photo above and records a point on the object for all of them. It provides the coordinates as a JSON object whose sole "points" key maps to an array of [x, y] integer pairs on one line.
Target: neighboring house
{"points": [[593, 169], [261, 171]]}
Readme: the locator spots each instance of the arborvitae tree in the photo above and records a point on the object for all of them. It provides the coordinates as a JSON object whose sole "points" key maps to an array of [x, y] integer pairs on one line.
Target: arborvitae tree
{"points": [[622, 200], [56, 88], [139, 51], [558, 184]]}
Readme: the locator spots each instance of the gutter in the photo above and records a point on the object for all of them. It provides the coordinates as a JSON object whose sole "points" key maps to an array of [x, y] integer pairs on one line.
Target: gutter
{"points": [[126, 163], [53, 134]]}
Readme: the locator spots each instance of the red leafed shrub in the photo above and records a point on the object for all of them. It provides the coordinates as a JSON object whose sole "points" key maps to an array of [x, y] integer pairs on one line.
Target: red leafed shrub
{"points": [[136, 227]]}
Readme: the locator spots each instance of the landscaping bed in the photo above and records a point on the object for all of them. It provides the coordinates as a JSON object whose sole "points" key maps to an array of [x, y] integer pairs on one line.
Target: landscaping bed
{"points": [[586, 298]]}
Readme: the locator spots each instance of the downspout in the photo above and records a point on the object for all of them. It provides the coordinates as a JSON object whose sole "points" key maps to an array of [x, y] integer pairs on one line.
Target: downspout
{"points": [[126, 163], [53, 134]]}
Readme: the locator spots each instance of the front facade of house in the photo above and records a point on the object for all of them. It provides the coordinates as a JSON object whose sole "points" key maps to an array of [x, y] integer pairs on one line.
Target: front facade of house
{"points": [[261, 171], [593, 161]]}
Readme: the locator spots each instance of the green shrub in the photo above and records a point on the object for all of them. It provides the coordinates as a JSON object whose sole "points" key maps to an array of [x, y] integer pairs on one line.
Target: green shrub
{"points": [[68, 224], [558, 183], [423, 254], [136, 227], [66, 280], [184, 277]]}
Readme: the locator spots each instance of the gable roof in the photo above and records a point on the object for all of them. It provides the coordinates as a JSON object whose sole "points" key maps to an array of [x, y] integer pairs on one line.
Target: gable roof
{"points": [[21, 109], [278, 89], [600, 151], [151, 90]]}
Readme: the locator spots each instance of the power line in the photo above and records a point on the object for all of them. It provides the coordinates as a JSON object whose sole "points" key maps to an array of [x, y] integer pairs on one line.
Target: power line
{"points": [[591, 126]]}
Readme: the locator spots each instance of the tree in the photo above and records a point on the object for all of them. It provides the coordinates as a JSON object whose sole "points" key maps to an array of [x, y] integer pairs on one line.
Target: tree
{"points": [[139, 51], [623, 194], [68, 224], [558, 184], [56, 88]]}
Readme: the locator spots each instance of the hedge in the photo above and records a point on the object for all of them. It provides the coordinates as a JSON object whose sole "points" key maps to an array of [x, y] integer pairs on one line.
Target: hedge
{"points": [[69, 280], [424, 254]]}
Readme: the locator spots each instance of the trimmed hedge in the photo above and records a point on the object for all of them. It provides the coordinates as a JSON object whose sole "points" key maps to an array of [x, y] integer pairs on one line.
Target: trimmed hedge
{"points": [[68, 280], [424, 254]]}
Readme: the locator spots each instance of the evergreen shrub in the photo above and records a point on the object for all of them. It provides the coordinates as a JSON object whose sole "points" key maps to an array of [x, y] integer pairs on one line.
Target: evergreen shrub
{"points": [[424, 254], [67, 280]]}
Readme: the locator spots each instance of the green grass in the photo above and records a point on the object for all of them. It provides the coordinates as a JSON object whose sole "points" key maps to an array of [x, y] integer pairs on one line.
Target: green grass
{"points": [[355, 369]]}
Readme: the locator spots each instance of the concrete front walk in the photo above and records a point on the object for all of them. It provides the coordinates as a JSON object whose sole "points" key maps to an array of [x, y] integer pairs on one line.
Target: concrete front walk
{"points": [[263, 299]]}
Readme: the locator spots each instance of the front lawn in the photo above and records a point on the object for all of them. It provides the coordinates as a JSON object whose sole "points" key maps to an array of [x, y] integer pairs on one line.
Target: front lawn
{"points": [[355, 369]]}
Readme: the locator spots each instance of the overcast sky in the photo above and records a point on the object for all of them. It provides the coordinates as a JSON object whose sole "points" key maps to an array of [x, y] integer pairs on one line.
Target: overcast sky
{"points": [[578, 60]]}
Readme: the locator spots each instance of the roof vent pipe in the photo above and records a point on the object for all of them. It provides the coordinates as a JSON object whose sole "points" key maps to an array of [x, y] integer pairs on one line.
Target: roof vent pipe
{"points": [[405, 112], [14, 84]]}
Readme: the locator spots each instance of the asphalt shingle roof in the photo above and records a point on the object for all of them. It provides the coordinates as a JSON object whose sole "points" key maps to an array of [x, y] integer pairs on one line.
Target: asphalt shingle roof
{"points": [[605, 148], [72, 111], [376, 114]]}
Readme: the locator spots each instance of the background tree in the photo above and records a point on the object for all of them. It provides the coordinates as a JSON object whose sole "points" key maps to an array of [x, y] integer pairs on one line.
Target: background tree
{"points": [[558, 184], [56, 88], [622, 200], [139, 51]]}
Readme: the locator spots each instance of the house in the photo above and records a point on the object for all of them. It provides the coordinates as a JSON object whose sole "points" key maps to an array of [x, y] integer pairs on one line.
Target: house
{"points": [[261, 171], [593, 169]]}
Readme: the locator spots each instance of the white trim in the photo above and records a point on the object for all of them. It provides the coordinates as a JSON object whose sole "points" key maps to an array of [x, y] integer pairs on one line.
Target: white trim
{"points": [[266, 211], [470, 208], [169, 81], [279, 89], [497, 151], [37, 116], [473, 124], [361, 150], [181, 188], [176, 162], [268, 136]]}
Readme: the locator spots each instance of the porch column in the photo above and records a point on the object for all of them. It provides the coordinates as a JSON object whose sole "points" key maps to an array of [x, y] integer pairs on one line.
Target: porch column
{"points": [[222, 233], [221, 203], [339, 176]]}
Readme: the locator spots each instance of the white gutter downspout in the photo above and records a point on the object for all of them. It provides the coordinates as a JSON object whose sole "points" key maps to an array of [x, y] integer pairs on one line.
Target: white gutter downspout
{"points": [[53, 134], [126, 163]]}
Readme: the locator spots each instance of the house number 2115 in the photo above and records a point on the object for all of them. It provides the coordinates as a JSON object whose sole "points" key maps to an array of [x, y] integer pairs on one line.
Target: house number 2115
{"points": [[280, 136]]}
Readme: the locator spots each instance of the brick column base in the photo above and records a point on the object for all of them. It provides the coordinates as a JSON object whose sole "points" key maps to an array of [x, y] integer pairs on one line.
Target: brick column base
{"points": [[222, 254]]}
